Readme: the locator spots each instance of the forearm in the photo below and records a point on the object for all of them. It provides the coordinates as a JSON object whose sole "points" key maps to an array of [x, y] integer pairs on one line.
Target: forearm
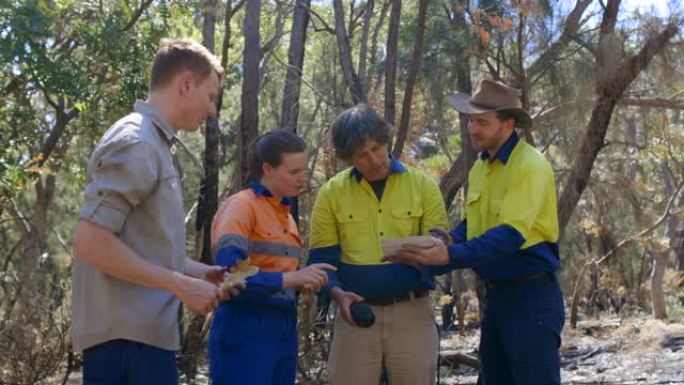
{"points": [[336, 293], [195, 269], [331, 256], [458, 235], [102, 249]]}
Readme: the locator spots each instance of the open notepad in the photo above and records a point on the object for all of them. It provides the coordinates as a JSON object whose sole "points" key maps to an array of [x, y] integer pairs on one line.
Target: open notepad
{"points": [[390, 246]]}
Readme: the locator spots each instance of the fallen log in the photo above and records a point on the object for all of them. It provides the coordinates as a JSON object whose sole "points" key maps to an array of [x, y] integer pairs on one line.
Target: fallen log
{"points": [[453, 358], [599, 324]]}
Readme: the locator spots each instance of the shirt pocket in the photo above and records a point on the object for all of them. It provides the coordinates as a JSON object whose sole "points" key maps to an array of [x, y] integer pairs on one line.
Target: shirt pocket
{"points": [[354, 228], [267, 231], [473, 203], [472, 199], [472, 209], [405, 220]]}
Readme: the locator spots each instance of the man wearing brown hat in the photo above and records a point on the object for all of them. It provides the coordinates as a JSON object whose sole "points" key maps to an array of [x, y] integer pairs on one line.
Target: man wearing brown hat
{"points": [[509, 237]]}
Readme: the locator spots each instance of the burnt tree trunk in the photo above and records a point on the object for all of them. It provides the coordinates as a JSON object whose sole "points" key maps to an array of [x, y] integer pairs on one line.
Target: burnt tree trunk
{"points": [[657, 295], [363, 49], [612, 81], [350, 75], [295, 62], [207, 203], [402, 133], [391, 62], [35, 240], [32, 242], [208, 191], [457, 175], [270, 46], [249, 101], [293, 78], [373, 76]]}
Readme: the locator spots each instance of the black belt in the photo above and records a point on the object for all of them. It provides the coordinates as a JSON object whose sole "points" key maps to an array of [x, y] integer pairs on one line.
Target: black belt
{"points": [[492, 283], [402, 298]]}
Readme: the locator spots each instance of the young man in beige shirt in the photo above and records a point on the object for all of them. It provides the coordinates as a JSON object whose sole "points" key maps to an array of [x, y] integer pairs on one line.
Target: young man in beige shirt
{"points": [[131, 273]]}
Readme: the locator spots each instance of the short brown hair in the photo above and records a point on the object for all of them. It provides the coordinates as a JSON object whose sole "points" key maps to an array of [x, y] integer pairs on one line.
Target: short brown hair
{"points": [[177, 55], [505, 115]]}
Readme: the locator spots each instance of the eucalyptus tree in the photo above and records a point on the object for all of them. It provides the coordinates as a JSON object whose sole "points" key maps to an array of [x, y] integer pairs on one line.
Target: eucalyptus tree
{"points": [[67, 69]]}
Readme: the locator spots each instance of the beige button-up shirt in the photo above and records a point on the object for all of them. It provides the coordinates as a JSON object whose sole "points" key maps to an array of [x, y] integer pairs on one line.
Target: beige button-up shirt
{"points": [[133, 190]]}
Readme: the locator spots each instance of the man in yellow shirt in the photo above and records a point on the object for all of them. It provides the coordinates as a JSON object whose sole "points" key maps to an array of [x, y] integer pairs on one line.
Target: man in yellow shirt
{"points": [[377, 198], [509, 237]]}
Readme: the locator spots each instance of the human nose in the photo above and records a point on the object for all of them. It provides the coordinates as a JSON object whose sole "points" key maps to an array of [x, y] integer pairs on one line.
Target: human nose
{"points": [[375, 159], [212, 110]]}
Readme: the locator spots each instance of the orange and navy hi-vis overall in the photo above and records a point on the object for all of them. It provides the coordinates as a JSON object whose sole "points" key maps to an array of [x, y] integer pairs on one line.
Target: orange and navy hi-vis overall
{"points": [[253, 336]]}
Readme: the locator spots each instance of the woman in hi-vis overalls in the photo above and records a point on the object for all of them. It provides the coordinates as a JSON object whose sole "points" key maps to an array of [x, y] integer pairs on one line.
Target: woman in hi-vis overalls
{"points": [[253, 337]]}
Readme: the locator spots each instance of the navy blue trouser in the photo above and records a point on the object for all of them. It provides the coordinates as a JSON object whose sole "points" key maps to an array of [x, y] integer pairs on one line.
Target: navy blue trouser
{"points": [[254, 345], [521, 328], [124, 362]]}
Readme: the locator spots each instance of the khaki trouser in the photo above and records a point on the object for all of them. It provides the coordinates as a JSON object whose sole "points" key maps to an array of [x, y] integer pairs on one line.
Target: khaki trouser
{"points": [[404, 334]]}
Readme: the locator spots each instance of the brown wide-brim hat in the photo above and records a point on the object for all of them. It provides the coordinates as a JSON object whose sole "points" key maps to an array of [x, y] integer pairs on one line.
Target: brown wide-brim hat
{"points": [[491, 95]]}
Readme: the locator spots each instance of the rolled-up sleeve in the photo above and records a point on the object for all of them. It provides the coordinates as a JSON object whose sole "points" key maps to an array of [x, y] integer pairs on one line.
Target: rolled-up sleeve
{"points": [[122, 174], [233, 223]]}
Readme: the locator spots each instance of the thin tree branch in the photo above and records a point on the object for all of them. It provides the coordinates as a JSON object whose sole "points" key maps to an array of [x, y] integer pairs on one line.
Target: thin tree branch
{"points": [[143, 6], [572, 24], [666, 213], [311, 87], [326, 27]]}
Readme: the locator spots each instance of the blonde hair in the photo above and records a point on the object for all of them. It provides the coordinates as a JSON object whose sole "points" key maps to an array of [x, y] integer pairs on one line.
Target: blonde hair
{"points": [[177, 55]]}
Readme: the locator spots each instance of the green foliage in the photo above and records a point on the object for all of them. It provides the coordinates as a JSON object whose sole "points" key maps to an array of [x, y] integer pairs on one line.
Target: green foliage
{"points": [[439, 162], [454, 140], [59, 55], [79, 65], [64, 55]]}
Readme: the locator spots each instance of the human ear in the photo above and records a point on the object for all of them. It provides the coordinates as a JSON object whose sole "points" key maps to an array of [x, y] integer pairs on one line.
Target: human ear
{"points": [[266, 169], [185, 82], [511, 123]]}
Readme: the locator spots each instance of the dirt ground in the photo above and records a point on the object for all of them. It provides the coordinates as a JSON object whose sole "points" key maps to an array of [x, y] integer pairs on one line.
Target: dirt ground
{"points": [[636, 350]]}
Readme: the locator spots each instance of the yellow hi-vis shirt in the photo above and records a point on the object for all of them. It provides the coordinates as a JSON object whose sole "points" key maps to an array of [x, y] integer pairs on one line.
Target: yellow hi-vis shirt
{"points": [[347, 213], [520, 193], [510, 227], [349, 222]]}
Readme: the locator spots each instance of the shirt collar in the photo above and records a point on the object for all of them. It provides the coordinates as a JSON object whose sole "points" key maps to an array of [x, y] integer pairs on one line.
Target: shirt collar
{"points": [[261, 190], [395, 167], [153, 113], [505, 151]]}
